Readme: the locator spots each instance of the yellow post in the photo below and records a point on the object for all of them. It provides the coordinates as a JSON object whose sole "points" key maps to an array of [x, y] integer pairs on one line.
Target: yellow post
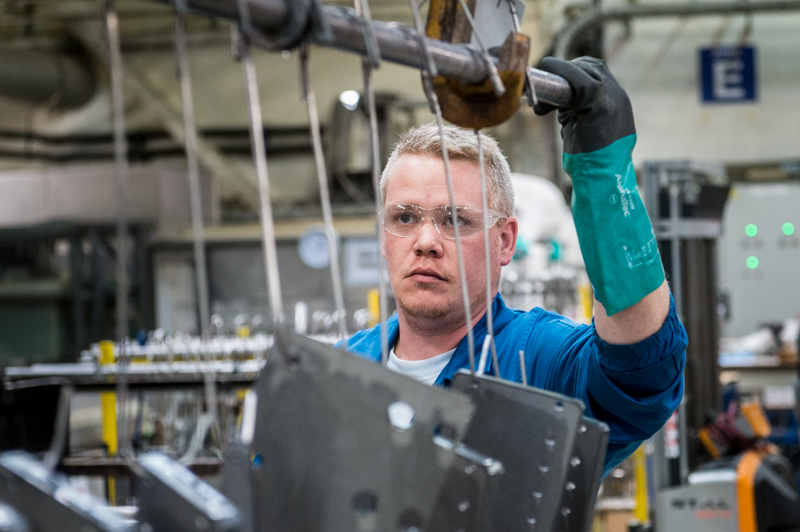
{"points": [[374, 306], [642, 510], [586, 298], [108, 406]]}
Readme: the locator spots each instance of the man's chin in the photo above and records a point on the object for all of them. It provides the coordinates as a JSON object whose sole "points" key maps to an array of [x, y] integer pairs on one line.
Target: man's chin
{"points": [[427, 310]]}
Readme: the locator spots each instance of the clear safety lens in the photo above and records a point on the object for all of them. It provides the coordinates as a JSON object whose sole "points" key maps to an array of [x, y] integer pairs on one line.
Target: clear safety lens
{"points": [[405, 220]]}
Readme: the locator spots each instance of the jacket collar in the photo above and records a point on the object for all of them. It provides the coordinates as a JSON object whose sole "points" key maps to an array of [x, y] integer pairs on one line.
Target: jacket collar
{"points": [[501, 316]]}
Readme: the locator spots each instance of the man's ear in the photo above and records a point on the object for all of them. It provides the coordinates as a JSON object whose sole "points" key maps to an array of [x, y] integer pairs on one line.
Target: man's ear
{"points": [[382, 245], [508, 240]]}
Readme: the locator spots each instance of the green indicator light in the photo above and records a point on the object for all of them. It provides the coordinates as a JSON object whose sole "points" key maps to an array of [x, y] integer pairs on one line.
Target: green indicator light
{"points": [[752, 262], [788, 229], [751, 230]]}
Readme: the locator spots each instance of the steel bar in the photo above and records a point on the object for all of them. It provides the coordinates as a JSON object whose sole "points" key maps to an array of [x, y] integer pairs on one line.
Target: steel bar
{"points": [[487, 255], [367, 64], [396, 44], [121, 164], [190, 138], [324, 194], [270, 248]]}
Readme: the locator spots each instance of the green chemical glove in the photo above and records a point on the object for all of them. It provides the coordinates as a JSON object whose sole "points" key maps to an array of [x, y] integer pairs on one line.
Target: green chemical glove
{"points": [[615, 234]]}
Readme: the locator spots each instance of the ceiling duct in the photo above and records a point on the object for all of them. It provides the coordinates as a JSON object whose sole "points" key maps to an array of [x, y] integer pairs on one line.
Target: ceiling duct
{"points": [[54, 79]]}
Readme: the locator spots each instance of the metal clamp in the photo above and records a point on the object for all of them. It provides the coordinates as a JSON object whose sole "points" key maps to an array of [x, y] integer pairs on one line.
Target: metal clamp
{"points": [[302, 17]]}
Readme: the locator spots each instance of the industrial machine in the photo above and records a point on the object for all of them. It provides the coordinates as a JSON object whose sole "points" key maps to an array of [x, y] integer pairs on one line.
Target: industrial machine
{"points": [[747, 487], [750, 492]]}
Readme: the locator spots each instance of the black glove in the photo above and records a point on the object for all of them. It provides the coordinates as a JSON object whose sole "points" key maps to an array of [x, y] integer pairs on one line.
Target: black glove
{"points": [[601, 113]]}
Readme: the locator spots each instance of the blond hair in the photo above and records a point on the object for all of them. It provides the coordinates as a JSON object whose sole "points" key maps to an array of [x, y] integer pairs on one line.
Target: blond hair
{"points": [[462, 145]]}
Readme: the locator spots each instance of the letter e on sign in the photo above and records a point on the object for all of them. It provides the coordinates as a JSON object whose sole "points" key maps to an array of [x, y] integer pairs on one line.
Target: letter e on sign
{"points": [[728, 74]]}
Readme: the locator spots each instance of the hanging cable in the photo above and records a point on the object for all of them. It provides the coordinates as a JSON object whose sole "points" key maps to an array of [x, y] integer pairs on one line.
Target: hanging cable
{"points": [[530, 91], [190, 145], [209, 418], [428, 74], [121, 185], [487, 257], [120, 163], [260, 159], [367, 64], [324, 193]]}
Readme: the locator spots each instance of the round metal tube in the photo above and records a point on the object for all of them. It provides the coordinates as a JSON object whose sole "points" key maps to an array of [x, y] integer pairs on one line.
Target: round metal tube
{"points": [[594, 15], [396, 43]]}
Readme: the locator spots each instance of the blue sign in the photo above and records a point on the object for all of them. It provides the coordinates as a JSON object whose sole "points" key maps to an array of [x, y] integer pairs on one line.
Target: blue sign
{"points": [[728, 74]]}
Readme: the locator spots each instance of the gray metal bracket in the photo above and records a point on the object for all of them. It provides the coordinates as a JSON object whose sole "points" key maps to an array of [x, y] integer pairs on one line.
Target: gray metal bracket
{"points": [[467, 497], [583, 477], [531, 431], [343, 444]]}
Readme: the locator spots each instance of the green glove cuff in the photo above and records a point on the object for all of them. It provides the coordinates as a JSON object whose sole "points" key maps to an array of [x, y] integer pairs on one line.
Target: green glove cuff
{"points": [[616, 237]]}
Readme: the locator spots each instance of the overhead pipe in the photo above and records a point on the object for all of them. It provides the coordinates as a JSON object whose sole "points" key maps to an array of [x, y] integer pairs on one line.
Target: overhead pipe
{"points": [[56, 79], [395, 41], [598, 15]]}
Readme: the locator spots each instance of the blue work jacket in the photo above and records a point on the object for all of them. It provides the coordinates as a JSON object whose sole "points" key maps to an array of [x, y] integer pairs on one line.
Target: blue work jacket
{"points": [[633, 388]]}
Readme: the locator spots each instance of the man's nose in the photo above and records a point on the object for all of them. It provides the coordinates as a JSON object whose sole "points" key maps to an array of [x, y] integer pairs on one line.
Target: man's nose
{"points": [[428, 240]]}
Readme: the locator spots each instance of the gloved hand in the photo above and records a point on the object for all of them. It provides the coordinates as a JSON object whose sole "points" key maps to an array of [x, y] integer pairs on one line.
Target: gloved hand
{"points": [[616, 237], [601, 113]]}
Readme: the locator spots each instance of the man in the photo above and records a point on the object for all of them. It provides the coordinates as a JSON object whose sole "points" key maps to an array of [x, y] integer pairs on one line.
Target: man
{"points": [[627, 367]]}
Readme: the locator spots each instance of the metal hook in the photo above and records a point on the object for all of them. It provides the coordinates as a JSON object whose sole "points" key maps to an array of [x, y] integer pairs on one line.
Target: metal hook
{"points": [[499, 88], [428, 76]]}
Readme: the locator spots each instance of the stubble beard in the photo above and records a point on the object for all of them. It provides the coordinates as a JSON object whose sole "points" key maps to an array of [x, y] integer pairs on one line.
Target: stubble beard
{"points": [[432, 309]]}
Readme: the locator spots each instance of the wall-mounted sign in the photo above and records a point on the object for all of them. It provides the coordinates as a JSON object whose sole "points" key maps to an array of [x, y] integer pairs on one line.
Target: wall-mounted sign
{"points": [[728, 74]]}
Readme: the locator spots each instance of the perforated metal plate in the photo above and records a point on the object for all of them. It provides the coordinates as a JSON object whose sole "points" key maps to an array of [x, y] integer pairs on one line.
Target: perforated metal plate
{"points": [[583, 477], [531, 432], [328, 456], [466, 500]]}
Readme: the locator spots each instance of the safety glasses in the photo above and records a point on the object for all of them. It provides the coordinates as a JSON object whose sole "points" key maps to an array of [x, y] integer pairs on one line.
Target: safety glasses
{"points": [[405, 220]]}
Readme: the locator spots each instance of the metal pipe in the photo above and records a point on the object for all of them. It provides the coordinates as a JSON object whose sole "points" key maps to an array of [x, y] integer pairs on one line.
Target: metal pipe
{"points": [[396, 42], [594, 16]]}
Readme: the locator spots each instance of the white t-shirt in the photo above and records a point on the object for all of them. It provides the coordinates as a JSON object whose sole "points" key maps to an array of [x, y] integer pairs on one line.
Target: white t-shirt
{"points": [[422, 370]]}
